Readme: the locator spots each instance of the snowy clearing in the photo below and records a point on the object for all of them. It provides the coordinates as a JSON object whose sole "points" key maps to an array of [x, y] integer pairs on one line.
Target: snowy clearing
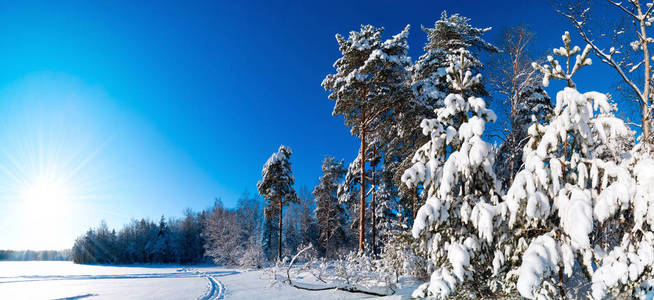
{"points": [[65, 280]]}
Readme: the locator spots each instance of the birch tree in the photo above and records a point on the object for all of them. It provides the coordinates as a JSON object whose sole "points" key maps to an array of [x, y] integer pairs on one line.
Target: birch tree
{"points": [[520, 88], [615, 56]]}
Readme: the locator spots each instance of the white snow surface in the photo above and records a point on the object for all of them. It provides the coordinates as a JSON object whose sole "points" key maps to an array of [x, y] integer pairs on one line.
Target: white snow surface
{"points": [[65, 280]]}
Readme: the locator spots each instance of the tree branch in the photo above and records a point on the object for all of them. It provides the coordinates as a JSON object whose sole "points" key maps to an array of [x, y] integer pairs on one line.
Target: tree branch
{"points": [[351, 290], [619, 5], [605, 57]]}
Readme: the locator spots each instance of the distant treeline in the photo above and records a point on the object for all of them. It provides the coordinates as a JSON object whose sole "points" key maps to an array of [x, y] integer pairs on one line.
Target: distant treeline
{"points": [[35, 255], [225, 236], [144, 241]]}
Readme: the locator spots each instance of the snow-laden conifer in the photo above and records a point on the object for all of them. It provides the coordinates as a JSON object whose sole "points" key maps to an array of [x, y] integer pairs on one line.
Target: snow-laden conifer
{"points": [[567, 188], [276, 186], [330, 215], [455, 167]]}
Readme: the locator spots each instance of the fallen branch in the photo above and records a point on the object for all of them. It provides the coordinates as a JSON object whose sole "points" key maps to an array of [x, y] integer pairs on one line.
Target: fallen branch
{"points": [[350, 290], [288, 270]]}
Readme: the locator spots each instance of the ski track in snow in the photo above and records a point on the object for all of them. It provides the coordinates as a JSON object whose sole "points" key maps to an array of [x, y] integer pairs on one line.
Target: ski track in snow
{"points": [[77, 297], [216, 289]]}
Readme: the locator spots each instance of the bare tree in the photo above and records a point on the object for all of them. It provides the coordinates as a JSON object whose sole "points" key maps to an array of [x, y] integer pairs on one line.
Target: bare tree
{"points": [[514, 73], [640, 16], [522, 94]]}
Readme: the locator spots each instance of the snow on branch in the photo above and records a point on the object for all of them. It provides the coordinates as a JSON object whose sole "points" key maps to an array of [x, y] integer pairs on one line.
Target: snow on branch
{"points": [[556, 71]]}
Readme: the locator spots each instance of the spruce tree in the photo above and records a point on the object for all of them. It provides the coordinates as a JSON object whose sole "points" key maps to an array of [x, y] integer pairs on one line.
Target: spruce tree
{"points": [[429, 89], [330, 216], [532, 101], [455, 225]]}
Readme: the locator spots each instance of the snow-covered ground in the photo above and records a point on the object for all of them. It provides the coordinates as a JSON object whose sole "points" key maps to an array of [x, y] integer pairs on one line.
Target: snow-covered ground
{"points": [[65, 280]]}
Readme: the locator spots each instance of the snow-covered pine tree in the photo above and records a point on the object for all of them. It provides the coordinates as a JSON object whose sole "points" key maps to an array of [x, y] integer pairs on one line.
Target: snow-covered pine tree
{"points": [[430, 87], [570, 186], [366, 88], [276, 186], [330, 215], [455, 226], [449, 34]]}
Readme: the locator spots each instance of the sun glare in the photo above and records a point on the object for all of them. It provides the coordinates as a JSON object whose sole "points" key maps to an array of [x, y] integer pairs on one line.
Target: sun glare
{"points": [[46, 204], [45, 194]]}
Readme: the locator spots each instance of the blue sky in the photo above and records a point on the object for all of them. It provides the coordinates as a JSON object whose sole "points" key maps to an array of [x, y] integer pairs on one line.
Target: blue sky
{"points": [[146, 108]]}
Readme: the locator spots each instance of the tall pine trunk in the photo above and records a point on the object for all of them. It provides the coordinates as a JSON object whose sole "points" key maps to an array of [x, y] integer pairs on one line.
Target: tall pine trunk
{"points": [[374, 218], [362, 200], [279, 238]]}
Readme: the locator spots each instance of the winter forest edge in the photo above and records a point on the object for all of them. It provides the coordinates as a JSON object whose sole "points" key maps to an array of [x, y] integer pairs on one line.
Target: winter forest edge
{"points": [[558, 204]]}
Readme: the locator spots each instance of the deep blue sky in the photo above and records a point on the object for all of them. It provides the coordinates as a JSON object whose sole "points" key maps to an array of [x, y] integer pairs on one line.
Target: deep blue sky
{"points": [[147, 108]]}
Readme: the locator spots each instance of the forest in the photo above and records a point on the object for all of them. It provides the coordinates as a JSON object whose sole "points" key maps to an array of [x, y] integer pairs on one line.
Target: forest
{"points": [[555, 204]]}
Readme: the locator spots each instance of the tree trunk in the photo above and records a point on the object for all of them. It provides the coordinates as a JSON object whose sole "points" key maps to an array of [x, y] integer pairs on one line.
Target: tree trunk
{"points": [[279, 238], [374, 217], [413, 205], [646, 90], [328, 237], [362, 200], [646, 122], [327, 249], [511, 171]]}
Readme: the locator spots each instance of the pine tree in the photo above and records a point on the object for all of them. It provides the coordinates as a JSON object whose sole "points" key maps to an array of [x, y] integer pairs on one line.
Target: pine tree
{"points": [[329, 211], [364, 89], [455, 225], [276, 186]]}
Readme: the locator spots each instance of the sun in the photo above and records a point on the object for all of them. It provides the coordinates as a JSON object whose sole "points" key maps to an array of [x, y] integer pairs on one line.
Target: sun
{"points": [[45, 191], [45, 201]]}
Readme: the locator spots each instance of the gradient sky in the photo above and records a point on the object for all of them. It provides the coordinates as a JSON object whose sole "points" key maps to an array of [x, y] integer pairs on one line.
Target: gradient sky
{"points": [[147, 108]]}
